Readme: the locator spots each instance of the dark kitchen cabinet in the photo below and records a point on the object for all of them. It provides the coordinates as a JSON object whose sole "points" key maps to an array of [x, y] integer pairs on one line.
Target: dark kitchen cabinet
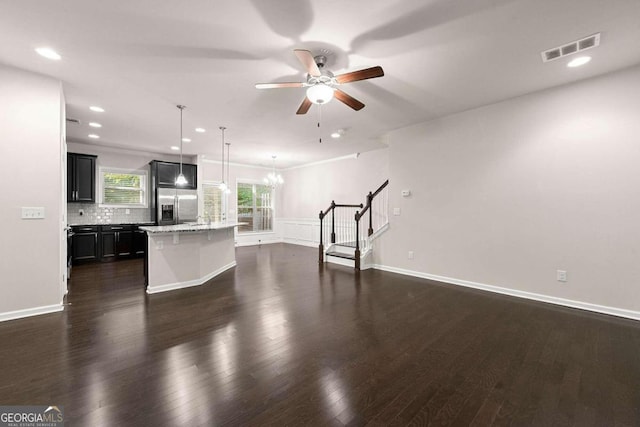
{"points": [[85, 243], [139, 242], [116, 241], [164, 174], [107, 242], [81, 178]]}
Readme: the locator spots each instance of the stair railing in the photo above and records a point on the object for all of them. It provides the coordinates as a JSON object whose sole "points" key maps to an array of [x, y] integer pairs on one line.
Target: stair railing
{"points": [[369, 207], [347, 218], [341, 216]]}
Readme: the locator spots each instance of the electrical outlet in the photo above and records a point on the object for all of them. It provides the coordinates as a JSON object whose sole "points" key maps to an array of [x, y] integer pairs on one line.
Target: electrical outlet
{"points": [[159, 245], [176, 238], [127, 211], [396, 211], [410, 255], [562, 276]]}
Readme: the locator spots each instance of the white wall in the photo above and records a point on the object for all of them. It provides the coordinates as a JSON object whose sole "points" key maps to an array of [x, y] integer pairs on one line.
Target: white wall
{"points": [[310, 189], [507, 194], [30, 125]]}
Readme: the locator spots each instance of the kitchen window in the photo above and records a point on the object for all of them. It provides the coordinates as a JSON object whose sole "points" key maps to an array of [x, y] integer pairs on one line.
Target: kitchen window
{"points": [[255, 207], [123, 188], [213, 202]]}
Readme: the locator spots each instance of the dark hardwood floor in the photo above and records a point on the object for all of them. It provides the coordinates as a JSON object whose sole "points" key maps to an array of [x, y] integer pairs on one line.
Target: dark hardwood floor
{"points": [[279, 340]]}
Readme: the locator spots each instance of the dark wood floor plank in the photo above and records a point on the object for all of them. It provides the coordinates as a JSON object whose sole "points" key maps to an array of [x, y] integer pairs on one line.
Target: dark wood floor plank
{"points": [[279, 340]]}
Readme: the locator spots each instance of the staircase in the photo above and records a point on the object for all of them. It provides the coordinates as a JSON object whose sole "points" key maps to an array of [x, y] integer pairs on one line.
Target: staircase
{"points": [[348, 230]]}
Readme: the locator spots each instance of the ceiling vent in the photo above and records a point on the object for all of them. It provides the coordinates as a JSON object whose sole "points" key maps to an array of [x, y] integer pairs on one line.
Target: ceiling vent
{"points": [[74, 121], [571, 48]]}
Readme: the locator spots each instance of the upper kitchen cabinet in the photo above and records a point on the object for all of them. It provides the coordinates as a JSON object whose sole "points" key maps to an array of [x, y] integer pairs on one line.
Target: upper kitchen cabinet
{"points": [[81, 178], [164, 174]]}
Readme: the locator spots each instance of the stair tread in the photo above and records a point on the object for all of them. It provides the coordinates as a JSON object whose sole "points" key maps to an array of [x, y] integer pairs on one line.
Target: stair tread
{"points": [[341, 255]]}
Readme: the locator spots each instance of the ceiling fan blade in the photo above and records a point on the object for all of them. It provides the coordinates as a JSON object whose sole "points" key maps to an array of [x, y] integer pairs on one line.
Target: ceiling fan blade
{"points": [[348, 100], [354, 76], [309, 64], [304, 107], [278, 85]]}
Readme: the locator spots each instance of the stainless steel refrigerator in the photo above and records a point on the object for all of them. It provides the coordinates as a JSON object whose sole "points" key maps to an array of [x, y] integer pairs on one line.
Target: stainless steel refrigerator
{"points": [[176, 206]]}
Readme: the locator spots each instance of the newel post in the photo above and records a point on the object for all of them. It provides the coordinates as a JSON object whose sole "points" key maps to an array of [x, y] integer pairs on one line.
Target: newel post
{"points": [[369, 203], [357, 253], [333, 221], [321, 247]]}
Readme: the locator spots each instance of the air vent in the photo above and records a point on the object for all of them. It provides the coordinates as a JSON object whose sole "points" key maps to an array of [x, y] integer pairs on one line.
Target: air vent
{"points": [[571, 48], [74, 121]]}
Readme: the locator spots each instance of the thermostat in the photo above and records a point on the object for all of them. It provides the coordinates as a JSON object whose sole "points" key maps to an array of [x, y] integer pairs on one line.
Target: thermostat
{"points": [[406, 193]]}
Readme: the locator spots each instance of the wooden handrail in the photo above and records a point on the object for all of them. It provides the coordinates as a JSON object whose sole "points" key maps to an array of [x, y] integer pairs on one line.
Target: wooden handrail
{"points": [[349, 206], [384, 184], [371, 196]]}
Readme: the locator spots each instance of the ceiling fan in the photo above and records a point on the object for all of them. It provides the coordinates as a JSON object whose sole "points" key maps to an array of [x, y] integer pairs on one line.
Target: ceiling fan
{"points": [[321, 84]]}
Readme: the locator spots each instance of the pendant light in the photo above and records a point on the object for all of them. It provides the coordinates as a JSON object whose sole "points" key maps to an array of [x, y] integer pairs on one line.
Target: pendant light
{"points": [[181, 180], [223, 185], [273, 179]]}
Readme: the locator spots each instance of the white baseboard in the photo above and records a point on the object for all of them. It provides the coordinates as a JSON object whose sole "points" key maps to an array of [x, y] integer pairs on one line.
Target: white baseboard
{"points": [[613, 311], [190, 283], [28, 312]]}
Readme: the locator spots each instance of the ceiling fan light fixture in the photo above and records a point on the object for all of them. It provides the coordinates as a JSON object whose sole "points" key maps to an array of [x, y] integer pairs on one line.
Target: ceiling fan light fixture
{"points": [[320, 93]]}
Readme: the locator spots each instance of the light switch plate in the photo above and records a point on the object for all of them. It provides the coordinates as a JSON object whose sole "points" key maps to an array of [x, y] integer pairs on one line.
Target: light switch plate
{"points": [[33, 213]]}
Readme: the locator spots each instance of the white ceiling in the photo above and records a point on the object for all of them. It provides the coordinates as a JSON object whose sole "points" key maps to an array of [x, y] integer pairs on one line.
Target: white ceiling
{"points": [[139, 58]]}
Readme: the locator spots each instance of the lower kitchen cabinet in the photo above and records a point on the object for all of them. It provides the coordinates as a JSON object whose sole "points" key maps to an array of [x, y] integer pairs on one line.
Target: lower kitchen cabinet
{"points": [[85, 243], [107, 243], [116, 241], [139, 243]]}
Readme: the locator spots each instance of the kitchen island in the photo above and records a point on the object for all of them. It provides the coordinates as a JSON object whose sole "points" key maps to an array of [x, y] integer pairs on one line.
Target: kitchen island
{"points": [[184, 255]]}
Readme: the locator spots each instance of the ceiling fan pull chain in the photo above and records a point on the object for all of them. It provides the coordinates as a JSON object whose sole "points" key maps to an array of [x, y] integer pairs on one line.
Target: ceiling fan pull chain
{"points": [[319, 120]]}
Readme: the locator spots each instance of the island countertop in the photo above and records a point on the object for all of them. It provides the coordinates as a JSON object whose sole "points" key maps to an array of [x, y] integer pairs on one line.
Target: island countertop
{"points": [[193, 227]]}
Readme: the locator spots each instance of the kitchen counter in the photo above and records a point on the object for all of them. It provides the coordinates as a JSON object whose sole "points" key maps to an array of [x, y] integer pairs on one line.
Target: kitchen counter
{"points": [[95, 224], [184, 255], [189, 227]]}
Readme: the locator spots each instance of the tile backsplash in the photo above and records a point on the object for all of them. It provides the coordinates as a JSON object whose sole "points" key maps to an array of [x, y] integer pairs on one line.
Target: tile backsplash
{"points": [[93, 214]]}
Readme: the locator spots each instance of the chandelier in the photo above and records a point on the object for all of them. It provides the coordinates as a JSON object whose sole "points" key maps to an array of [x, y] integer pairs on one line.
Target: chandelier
{"points": [[273, 179]]}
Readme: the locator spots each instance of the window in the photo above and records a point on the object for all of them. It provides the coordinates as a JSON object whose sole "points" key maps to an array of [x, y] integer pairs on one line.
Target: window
{"points": [[213, 202], [123, 188], [255, 207]]}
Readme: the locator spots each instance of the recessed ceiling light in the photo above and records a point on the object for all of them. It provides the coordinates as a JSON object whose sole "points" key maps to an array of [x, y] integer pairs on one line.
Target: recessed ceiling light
{"points": [[48, 53], [200, 130], [96, 109], [581, 60], [175, 148], [95, 125], [94, 136], [186, 140], [336, 135]]}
